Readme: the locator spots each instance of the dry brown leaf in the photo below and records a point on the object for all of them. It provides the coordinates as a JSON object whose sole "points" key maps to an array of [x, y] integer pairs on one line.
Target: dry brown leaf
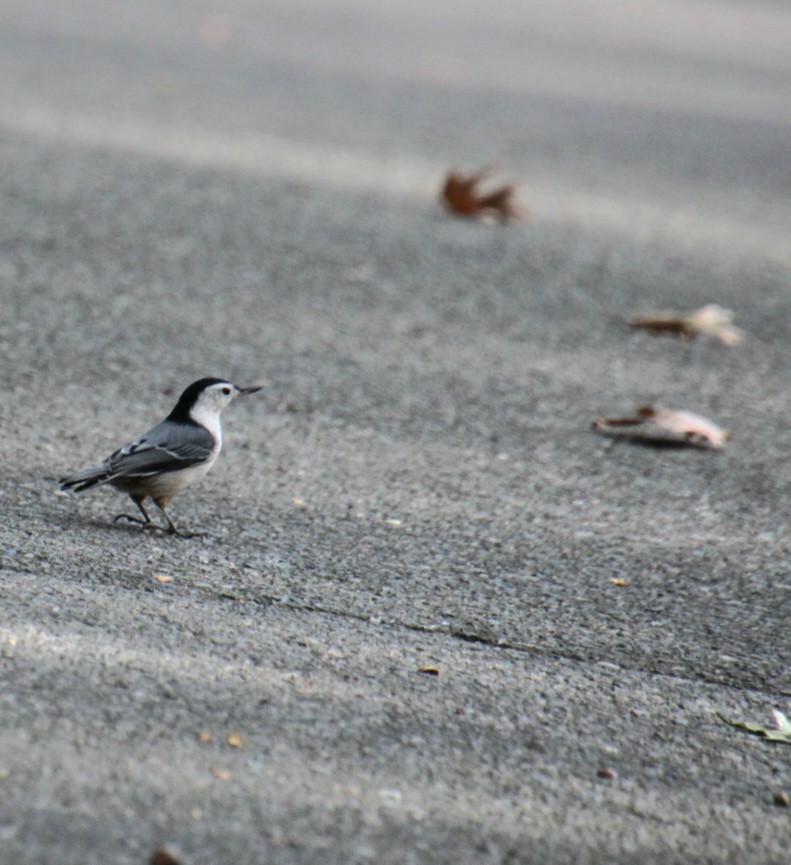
{"points": [[161, 578], [710, 319], [617, 581], [660, 426], [461, 195], [163, 856], [429, 670], [205, 736], [235, 740]]}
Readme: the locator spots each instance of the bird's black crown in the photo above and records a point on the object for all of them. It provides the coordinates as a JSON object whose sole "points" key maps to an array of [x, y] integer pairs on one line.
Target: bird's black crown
{"points": [[181, 413]]}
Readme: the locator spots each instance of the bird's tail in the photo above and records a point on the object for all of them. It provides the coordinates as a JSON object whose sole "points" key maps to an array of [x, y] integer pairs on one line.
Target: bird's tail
{"points": [[86, 479]]}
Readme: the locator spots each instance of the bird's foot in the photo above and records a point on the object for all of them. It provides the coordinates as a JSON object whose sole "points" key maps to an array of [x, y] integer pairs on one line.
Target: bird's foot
{"points": [[131, 519], [150, 525], [180, 533], [144, 524]]}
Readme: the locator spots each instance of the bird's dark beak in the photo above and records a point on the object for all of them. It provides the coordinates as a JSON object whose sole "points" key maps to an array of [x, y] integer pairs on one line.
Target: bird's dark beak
{"points": [[244, 390]]}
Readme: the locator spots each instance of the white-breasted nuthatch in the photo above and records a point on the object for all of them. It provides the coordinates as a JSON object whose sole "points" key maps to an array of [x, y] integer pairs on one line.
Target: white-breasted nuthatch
{"points": [[172, 455]]}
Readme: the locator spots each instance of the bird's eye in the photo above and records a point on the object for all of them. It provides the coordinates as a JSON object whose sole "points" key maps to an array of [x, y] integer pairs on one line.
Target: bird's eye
{"points": [[226, 391]]}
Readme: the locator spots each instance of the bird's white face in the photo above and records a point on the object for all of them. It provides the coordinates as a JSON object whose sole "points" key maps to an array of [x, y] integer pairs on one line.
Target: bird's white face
{"points": [[212, 400], [215, 397]]}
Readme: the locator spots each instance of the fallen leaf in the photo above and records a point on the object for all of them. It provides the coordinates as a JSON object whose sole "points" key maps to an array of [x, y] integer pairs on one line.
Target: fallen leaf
{"points": [[235, 740], [163, 856], [205, 736], [161, 578], [663, 426], [429, 670], [617, 581], [711, 319], [781, 734], [461, 195]]}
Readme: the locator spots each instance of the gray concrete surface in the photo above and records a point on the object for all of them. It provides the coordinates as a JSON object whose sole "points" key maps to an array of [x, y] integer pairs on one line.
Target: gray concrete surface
{"points": [[249, 190]]}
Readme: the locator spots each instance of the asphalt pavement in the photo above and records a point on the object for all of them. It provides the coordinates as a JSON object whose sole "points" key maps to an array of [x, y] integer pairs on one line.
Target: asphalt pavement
{"points": [[430, 616]]}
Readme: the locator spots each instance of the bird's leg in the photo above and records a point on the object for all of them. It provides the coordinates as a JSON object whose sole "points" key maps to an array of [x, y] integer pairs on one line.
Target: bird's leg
{"points": [[161, 503], [138, 500]]}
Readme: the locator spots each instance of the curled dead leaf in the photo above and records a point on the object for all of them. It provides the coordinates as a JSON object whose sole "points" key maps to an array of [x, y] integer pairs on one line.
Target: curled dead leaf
{"points": [[662, 426], [780, 733], [429, 670], [161, 578], [164, 856], [461, 195], [617, 581], [711, 319]]}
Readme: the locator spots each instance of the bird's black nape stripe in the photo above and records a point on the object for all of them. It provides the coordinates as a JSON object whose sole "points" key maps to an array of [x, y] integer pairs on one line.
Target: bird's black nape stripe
{"points": [[181, 413]]}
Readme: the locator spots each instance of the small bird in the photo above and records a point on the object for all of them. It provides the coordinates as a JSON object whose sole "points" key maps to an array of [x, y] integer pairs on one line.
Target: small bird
{"points": [[172, 455]]}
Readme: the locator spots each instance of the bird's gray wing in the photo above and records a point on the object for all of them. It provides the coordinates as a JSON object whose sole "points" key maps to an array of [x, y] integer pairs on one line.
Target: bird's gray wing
{"points": [[167, 447]]}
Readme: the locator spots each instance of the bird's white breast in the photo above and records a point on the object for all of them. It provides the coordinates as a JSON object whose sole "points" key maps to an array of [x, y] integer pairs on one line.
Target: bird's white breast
{"points": [[210, 419], [168, 484]]}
